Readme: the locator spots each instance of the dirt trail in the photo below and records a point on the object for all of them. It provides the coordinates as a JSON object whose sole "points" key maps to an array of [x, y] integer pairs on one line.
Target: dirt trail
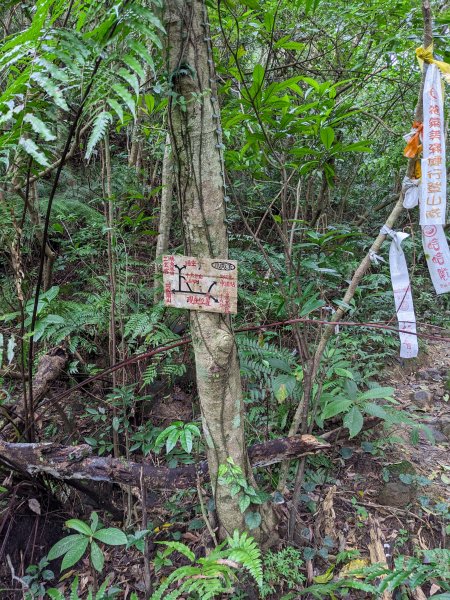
{"points": [[425, 390], [393, 484]]}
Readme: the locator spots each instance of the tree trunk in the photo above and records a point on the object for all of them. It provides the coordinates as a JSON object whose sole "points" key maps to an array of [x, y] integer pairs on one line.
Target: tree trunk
{"points": [[109, 220], [165, 215], [194, 121]]}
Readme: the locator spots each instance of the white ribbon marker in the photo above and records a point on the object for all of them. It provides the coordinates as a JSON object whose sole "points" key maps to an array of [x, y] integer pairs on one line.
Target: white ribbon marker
{"points": [[402, 294], [437, 255], [434, 177], [411, 192], [375, 258]]}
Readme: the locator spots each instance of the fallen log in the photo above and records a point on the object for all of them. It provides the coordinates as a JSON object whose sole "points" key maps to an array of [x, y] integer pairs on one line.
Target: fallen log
{"points": [[48, 370], [13, 374], [78, 462]]}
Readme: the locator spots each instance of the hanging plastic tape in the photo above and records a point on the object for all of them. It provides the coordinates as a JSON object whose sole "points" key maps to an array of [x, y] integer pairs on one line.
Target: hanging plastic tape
{"points": [[411, 192], [402, 293], [437, 255], [413, 139], [426, 55], [434, 176]]}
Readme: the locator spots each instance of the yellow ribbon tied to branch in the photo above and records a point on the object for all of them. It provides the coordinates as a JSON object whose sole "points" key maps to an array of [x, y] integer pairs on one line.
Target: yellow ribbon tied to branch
{"points": [[426, 55]]}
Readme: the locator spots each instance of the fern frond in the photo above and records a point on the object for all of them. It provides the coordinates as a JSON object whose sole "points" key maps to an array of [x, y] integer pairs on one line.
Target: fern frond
{"points": [[150, 374], [5, 117], [51, 89], [178, 547], [244, 550], [39, 127], [55, 72], [116, 107], [203, 588], [130, 78], [33, 150], [134, 65], [101, 123], [125, 95], [141, 51], [137, 325]]}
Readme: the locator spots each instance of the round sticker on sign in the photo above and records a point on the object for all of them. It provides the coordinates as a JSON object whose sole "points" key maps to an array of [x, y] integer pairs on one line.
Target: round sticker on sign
{"points": [[223, 266]]}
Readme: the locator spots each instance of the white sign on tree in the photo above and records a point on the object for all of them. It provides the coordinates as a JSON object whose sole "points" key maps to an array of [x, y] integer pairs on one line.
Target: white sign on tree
{"points": [[208, 284]]}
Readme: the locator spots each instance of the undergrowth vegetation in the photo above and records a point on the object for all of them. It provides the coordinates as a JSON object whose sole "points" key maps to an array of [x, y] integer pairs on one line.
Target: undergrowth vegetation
{"points": [[314, 98]]}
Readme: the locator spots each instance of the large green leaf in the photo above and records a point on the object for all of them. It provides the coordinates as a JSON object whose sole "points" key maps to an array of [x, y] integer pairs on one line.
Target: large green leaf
{"points": [[354, 421], [253, 520], [116, 107], [134, 64], [374, 410], [51, 89], [130, 78], [244, 503], [258, 76], [186, 440], [74, 553], [64, 546], [163, 435], [94, 521], [111, 536], [378, 392], [55, 594], [97, 557], [311, 305], [336, 407], [356, 147], [283, 385], [327, 137], [125, 95], [80, 526], [172, 439]]}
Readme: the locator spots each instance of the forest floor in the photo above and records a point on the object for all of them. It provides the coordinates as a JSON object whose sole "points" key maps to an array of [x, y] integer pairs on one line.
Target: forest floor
{"points": [[379, 495], [391, 495]]}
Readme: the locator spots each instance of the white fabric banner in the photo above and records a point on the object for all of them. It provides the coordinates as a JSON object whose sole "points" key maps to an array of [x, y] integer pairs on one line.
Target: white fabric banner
{"points": [[411, 192], [434, 177], [437, 255], [402, 296]]}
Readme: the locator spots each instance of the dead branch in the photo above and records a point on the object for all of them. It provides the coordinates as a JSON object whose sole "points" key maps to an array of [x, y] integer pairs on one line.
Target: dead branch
{"points": [[78, 462]]}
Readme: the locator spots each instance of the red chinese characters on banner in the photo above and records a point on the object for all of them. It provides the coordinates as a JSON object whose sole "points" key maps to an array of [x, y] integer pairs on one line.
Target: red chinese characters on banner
{"points": [[434, 184], [437, 255], [403, 299], [409, 339]]}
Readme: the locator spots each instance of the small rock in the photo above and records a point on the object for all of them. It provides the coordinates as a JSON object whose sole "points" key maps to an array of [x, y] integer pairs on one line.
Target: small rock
{"points": [[446, 430], [434, 375], [438, 434], [429, 375], [422, 398], [396, 493]]}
